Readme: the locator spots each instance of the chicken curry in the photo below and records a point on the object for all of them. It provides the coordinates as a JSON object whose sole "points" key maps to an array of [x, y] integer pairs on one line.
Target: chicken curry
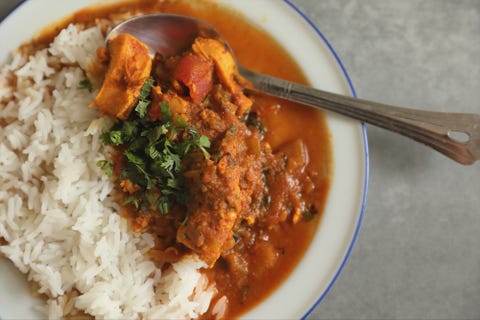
{"points": [[240, 180]]}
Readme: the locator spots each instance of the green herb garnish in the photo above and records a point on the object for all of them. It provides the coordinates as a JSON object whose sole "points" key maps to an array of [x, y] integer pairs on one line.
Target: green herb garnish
{"points": [[106, 166], [152, 154], [143, 99], [85, 84], [253, 120]]}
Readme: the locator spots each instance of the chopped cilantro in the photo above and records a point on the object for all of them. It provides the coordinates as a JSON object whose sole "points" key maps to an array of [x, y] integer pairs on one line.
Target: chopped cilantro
{"points": [[143, 99], [146, 89], [253, 120], [85, 84], [152, 154], [166, 113], [185, 221], [106, 166], [131, 200]]}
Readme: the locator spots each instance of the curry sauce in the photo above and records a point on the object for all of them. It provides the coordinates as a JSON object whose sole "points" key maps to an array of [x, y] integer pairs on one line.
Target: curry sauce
{"points": [[255, 256]]}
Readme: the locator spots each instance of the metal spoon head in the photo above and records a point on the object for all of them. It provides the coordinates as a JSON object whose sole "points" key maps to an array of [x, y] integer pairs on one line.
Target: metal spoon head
{"points": [[166, 34]]}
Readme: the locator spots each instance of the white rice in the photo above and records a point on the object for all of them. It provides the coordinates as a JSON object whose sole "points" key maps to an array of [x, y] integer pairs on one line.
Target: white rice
{"points": [[57, 214]]}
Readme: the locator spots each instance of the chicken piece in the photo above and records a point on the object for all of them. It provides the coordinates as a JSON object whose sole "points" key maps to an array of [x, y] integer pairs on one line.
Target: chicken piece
{"points": [[218, 201], [178, 105], [208, 235], [129, 67], [209, 230], [226, 69], [128, 186]]}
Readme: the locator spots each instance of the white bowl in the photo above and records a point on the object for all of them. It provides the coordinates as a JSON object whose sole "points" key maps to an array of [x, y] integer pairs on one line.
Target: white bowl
{"points": [[330, 248]]}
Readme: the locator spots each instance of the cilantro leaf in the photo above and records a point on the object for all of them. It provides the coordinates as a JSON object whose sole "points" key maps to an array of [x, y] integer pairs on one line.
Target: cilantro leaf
{"points": [[141, 108], [115, 137], [133, 158], [143, 99], [166, 113], [146, 89], [106, 166], [85, 84], [131, 200], [254, 121]]}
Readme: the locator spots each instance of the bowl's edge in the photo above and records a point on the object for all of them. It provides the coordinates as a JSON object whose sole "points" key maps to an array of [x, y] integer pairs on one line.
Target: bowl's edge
{"points": [[366, 156], [13, 9], [365, 147]]}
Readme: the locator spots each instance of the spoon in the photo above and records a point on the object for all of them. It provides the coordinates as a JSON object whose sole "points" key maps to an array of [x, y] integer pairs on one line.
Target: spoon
{"points": [[456, 135]]}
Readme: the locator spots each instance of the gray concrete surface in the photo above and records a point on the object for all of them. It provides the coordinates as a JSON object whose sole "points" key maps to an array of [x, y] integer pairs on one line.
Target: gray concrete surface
{"points": [[417, 255]]}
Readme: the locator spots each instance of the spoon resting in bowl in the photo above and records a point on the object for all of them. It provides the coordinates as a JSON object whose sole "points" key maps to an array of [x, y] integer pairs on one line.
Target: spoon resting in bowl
{"points": [[456, 135]]}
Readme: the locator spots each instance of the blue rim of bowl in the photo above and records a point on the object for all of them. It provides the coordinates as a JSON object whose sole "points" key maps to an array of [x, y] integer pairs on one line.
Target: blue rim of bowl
{"points": [[366, 153], [12, 10], [365, 142]]}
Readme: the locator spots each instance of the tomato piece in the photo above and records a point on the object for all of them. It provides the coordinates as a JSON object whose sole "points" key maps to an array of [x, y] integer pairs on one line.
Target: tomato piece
{"points": [[196, 73]]}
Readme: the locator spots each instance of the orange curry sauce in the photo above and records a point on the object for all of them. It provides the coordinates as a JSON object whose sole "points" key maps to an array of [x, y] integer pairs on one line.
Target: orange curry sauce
{"points": [[285, 122]]}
